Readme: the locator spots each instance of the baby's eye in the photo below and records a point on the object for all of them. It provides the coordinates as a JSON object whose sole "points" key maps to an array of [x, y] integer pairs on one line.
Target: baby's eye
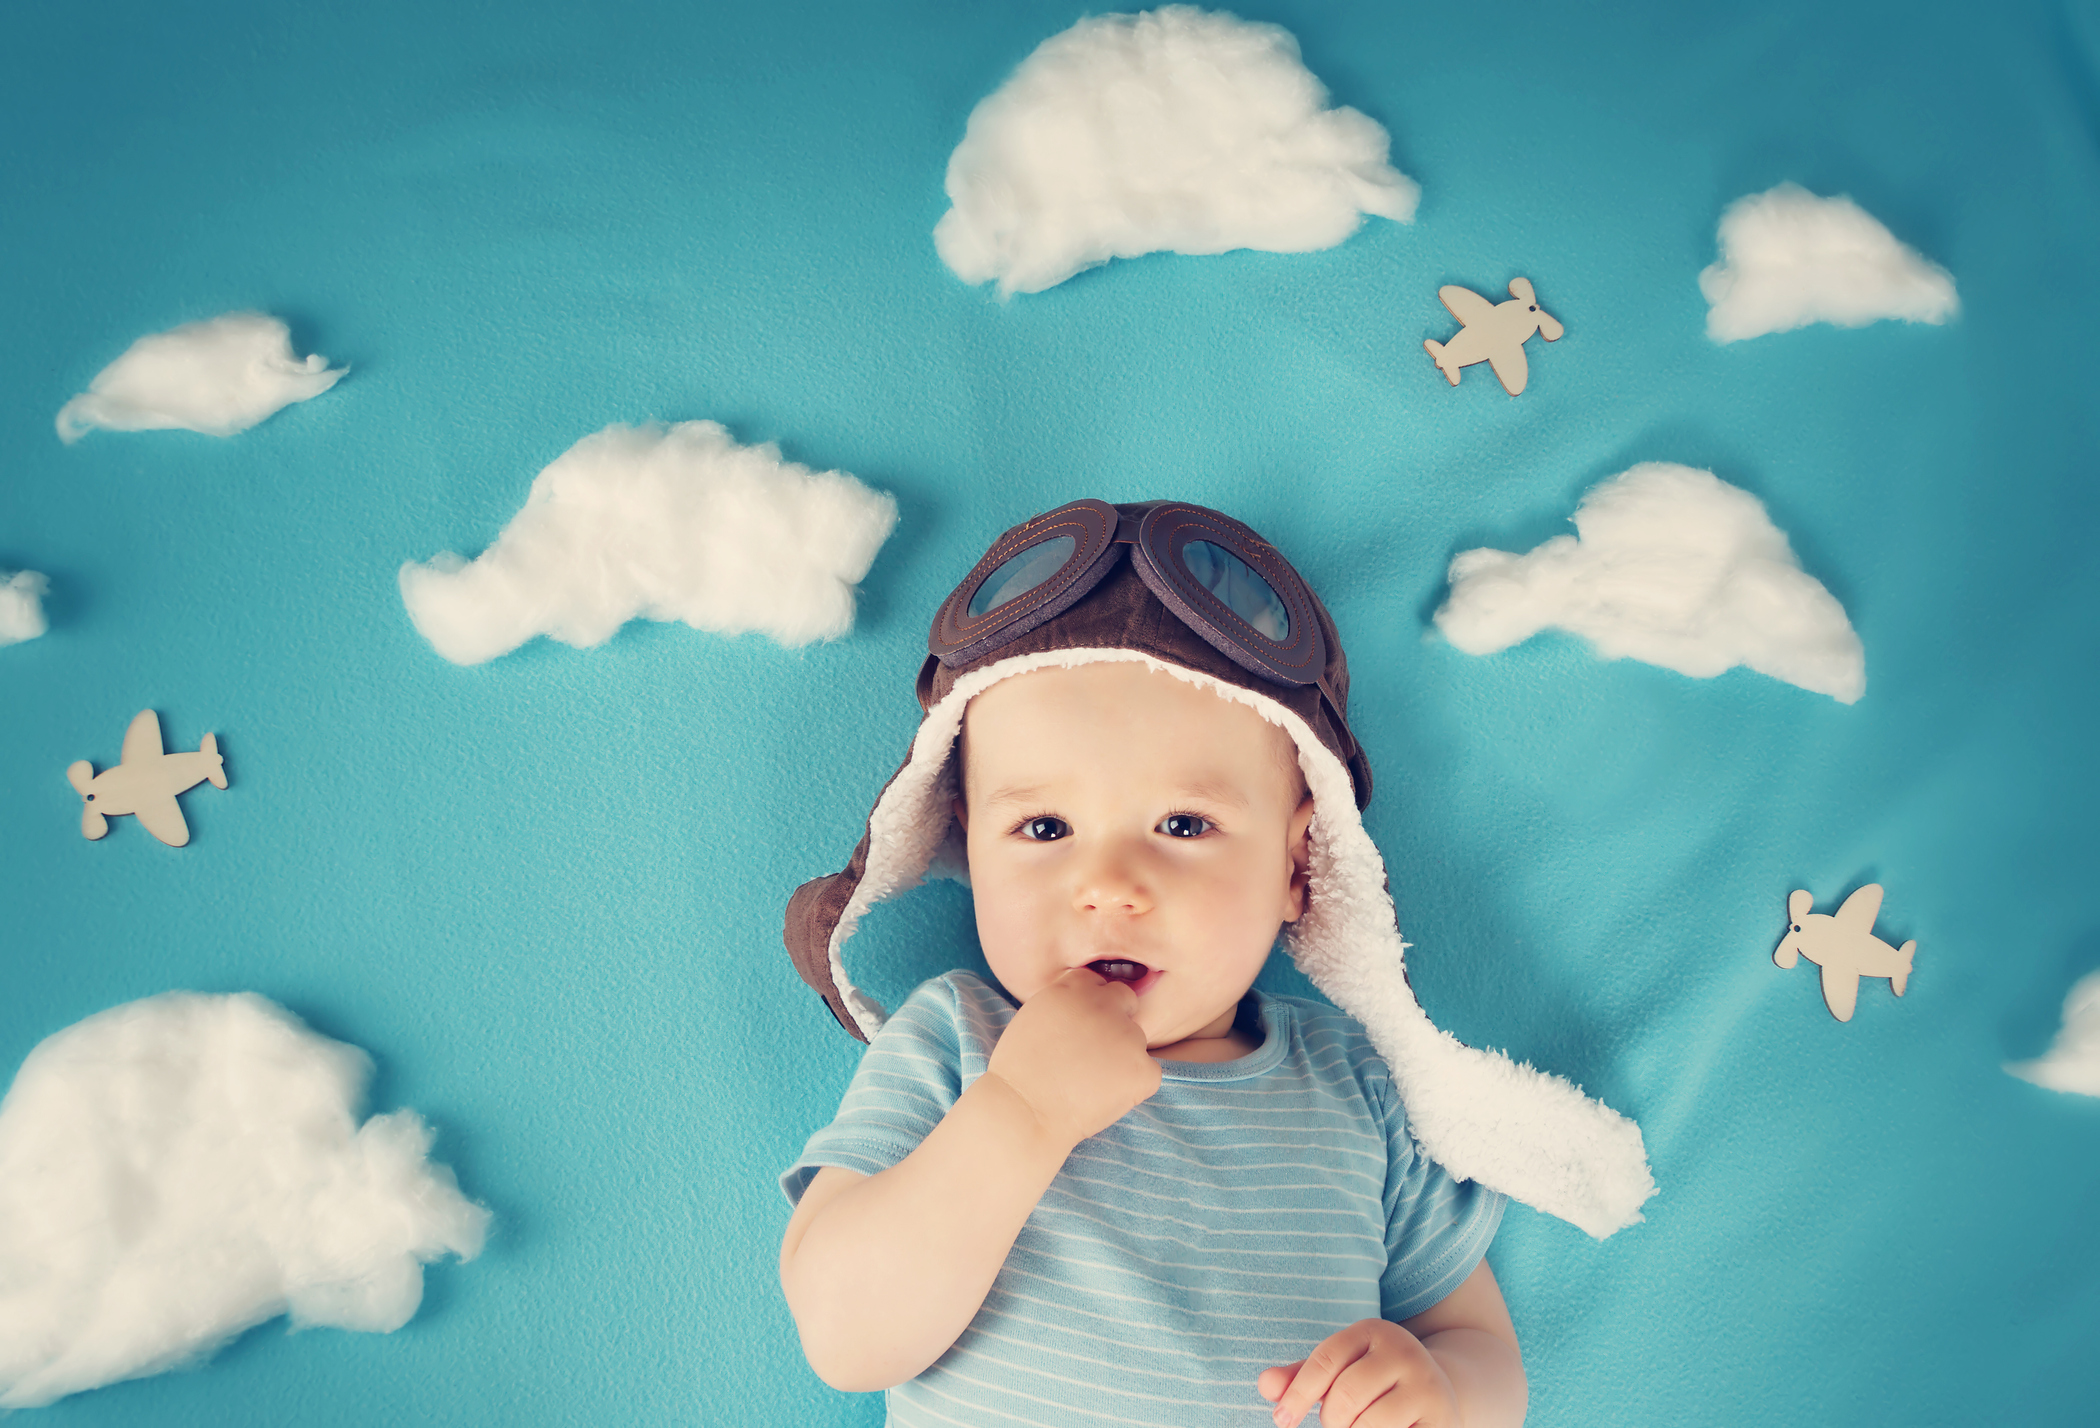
{"points": [[1184, 825], [1045, 830]]}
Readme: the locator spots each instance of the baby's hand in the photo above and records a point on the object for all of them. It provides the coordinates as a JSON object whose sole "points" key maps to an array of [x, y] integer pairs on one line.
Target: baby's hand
{"points": [[1373, 1374], [1076, 1055]]}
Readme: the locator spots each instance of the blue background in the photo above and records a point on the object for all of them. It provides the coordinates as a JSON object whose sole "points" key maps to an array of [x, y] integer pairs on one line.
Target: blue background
{"points": [[545, 892]]}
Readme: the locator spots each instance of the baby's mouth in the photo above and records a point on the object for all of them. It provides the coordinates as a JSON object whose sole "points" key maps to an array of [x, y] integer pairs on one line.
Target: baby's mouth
{"points": [[1117, 969]]}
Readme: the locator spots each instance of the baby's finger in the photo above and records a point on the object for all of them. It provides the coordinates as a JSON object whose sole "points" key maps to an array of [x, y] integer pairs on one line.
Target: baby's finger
{"points": [[1316, 1375], [1273, 1381], [1087, 979], [1362, 1396]]}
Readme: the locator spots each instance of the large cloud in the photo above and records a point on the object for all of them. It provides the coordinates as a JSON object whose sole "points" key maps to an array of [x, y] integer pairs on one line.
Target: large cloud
{"points": [[1672, 566], [22, 606], [218, 376], [1789, 258], [175, 1170], [2073, 1059], [672, 523], [1173, 130]]}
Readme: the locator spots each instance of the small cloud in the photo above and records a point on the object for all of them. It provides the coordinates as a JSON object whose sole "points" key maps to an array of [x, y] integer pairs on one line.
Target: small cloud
{"points": [[2073, 1059], [219, 376], [179, 1169], [1671, 566], [22, 606], [1173, 130], [667, 522], [1789, 258]]}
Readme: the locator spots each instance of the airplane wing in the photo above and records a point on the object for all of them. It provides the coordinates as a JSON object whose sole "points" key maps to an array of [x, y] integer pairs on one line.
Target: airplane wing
{"points": [[1511, 368], [1840, 991], [1464, 304], [1861, 909], [142, 739], [162, 818]]}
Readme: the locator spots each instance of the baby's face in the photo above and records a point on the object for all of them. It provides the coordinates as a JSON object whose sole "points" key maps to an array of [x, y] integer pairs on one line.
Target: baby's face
{"points": [[1123, 819]]}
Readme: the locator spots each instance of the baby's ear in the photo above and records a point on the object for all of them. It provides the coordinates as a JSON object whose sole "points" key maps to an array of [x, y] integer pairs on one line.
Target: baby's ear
{"points": [[961, 811], [1298, 848]]}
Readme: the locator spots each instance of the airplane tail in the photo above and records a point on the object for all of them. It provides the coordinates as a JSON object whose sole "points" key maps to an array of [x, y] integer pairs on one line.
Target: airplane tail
{"points": [[1902, 978], [210, 747], [1436, 351]]}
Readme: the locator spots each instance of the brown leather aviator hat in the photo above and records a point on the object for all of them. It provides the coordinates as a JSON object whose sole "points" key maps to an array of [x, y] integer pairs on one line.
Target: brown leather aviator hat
{"points": [[1192, 593]]}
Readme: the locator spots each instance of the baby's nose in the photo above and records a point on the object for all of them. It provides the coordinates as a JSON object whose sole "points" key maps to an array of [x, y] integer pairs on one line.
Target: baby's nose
{"points": [[1111, 886]]}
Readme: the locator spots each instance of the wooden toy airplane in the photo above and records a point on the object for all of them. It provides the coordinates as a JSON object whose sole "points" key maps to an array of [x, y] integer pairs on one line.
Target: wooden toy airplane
{"points": [[145, 782], [1494, 333], [1844, 946]]}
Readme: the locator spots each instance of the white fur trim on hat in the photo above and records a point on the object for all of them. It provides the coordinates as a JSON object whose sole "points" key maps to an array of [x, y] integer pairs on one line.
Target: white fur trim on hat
{"points": [[1478, 1114]]}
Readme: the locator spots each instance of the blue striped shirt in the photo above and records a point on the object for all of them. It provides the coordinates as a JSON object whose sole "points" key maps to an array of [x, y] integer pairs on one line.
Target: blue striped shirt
{"points": [[1235, 1219]]}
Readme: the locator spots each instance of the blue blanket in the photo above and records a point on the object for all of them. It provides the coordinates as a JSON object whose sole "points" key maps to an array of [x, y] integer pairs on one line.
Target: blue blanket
{"points": [[545, 892]]}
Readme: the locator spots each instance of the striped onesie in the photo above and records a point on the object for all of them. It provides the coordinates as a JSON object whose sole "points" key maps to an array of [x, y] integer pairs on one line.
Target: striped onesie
{"points": [[1246, 1211]]}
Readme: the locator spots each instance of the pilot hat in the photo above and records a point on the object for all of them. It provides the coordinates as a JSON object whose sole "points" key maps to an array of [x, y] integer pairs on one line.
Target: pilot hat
{"points": [[1518, 1130]]}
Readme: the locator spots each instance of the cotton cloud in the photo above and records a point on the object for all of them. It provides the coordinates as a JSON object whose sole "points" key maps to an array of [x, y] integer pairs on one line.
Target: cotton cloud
{"points": [[219, 376], [178, 1169], [668, 522], [1671, 566], [1789, 258], [1172, 130], [2073, 1059], [22, 606]]}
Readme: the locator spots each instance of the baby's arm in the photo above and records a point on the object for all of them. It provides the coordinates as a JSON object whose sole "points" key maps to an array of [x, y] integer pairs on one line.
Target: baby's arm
{"points": [[1456, 1363], [884, 1272]]}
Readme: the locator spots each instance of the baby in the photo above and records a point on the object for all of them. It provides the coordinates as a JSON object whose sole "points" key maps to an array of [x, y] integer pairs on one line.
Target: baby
{"points": [[1121, 1186]]}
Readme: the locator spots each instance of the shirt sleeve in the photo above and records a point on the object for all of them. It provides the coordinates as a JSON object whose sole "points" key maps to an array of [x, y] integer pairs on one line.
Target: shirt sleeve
{"points": [[1436, 1228], [908, 1078]]}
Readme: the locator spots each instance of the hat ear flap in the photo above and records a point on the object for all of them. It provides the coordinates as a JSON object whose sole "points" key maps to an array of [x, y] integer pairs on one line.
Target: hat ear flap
{"points": [[813, 912]]}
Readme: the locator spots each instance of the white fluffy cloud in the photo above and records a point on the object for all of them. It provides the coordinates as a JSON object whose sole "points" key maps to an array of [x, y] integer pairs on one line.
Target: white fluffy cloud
{"points": [[1672, 566], [22, 606], [1172, 130], [218, 376], [2073, 1060], [668, 522], [178, 1169], [1789, 258]]}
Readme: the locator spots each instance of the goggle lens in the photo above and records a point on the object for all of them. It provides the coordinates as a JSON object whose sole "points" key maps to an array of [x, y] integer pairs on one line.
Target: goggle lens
{"points": [[1237, 587], [1024, 573]]}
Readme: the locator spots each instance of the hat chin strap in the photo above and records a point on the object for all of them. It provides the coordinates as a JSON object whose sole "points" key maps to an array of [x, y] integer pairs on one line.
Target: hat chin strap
{"points": [[1478, 1114]]}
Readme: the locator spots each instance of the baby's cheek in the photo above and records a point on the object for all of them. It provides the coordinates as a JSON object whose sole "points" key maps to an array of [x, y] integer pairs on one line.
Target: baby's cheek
{"points": [[1009, 935]]}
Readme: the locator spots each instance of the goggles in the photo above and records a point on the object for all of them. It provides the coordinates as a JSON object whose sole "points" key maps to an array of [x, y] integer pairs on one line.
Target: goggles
{"points": [[1217, 576]]}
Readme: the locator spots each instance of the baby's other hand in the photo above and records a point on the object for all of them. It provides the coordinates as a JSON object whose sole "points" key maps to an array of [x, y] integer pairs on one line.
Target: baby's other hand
{"points": [[1373, 1374], [1077, 1056]]}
